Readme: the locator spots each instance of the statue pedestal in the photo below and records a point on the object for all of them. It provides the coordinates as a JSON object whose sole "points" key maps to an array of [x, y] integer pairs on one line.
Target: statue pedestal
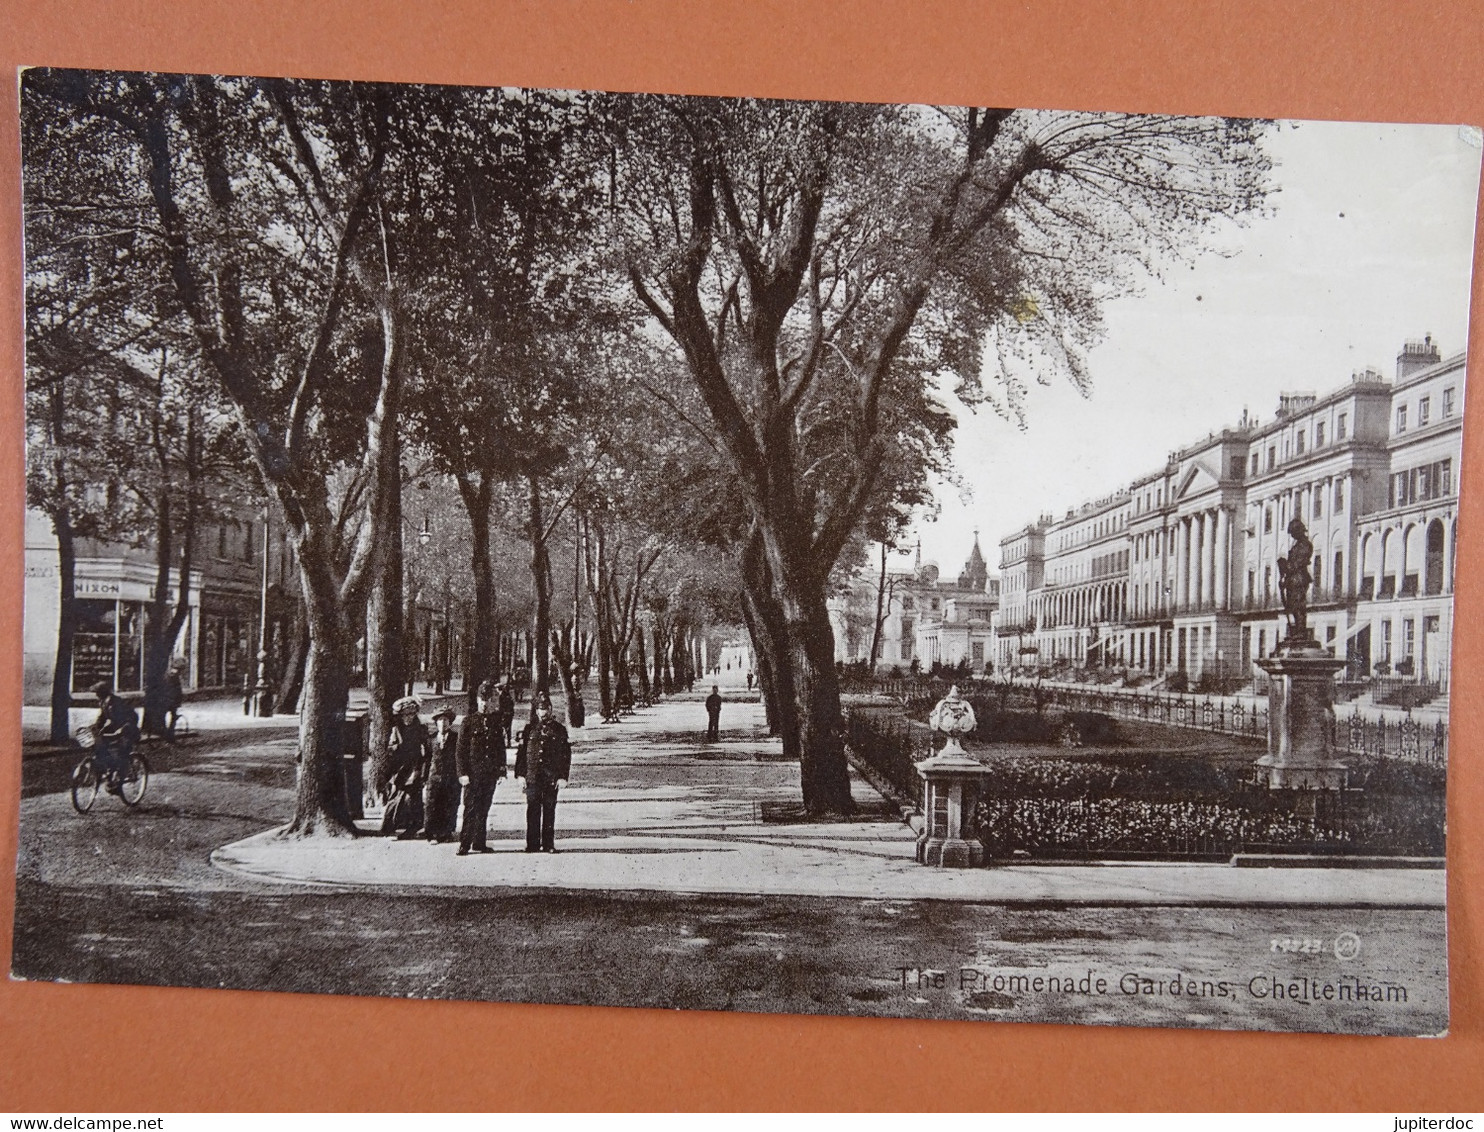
{"points": [[1301, 696], [951, 784]]}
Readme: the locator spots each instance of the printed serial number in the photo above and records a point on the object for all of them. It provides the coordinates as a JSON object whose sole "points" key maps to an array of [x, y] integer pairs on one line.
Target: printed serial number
{"points": [[1300, 946]]}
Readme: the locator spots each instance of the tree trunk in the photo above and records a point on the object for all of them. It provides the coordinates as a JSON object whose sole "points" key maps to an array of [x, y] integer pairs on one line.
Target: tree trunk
{"points": [[642, 668], [658, 681], [61, 718], [157, 644], [483, 662], [769, 634], [319, 803], [286, 702], [562, 650], [823, 770], [385, 650], [541, 577], [597, 574], [880, 614]]}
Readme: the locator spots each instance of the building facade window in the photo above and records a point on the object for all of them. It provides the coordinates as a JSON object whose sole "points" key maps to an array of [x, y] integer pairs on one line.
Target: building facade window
{"points": [[1319, 434], [1424, 410], [1340, 422], [1401, 418], [1298, 442], [1417, 485], [1447, 403]]}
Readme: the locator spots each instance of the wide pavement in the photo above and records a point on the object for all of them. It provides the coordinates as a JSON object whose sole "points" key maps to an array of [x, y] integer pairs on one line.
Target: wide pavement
{"points": [[654, 808]]}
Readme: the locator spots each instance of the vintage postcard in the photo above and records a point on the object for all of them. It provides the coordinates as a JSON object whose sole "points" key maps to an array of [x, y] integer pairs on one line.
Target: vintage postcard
{"points": [[652, 550]]}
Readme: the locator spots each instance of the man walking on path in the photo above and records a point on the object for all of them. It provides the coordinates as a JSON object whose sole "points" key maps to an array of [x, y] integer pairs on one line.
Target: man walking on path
{"points": [[543, 761], [506, 708], [480, 762], [713, 714]]}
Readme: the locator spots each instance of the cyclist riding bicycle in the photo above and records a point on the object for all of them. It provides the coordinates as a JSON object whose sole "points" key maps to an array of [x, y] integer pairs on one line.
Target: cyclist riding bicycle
{"points": [[115, 732]]}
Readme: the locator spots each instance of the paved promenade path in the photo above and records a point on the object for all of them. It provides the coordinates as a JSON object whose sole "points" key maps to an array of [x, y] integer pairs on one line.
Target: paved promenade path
{"points": [[654, 808]]}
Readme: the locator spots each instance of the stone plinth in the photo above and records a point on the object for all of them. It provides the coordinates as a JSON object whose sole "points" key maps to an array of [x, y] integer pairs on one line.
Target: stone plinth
{"points": [[1301, 719], [951, 782]]}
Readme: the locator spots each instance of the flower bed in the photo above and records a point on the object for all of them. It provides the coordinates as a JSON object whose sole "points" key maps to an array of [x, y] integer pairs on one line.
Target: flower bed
{"points": [[1175, 806]]}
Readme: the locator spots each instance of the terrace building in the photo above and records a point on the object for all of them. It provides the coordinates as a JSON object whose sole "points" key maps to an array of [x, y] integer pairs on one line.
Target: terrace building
{"points": [[1178, 571], [1022, 573], [1084, 589]]}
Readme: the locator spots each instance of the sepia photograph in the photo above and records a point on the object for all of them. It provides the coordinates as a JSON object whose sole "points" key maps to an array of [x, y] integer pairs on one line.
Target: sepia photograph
{"points": [[803, 557]]}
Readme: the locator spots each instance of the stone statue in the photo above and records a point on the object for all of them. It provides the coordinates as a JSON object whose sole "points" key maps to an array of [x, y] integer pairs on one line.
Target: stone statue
{"points": [[1294, 581], [953, 716]]}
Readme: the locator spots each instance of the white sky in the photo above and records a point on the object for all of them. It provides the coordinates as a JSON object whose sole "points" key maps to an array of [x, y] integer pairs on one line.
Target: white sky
{"points": [[1369, 242]]}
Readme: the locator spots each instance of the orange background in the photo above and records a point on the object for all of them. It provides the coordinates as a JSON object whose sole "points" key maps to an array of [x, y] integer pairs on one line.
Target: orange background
{"points": [[209, 1050]]}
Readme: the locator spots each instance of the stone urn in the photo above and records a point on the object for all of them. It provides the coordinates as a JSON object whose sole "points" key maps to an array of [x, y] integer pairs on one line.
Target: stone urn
{"points": [[951, 783]]}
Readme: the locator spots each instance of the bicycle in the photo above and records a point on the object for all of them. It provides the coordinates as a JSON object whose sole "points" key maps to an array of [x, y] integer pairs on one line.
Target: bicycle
{"points": [[88, 776]]}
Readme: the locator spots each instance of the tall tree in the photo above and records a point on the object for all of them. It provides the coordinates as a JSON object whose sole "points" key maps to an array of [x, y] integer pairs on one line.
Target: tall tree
{"points": [[512, 286], [265, 195], [128, 437], [815, 263]]}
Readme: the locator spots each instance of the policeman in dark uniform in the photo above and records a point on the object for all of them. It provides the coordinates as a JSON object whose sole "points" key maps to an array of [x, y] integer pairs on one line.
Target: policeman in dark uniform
{"points": [[480, 764], [543, 761]]}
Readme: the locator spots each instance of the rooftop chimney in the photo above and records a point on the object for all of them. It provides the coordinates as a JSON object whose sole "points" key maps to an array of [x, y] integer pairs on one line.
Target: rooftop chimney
{"points": [[1291, 403], [1416, 356]]}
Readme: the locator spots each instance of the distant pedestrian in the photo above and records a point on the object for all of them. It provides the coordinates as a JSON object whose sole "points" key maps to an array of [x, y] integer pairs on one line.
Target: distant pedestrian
{"points": [[544, 761], [174, 697], [408, 751], [713, 715], [481, 765], [441, 793], [506, 705], [749, 681]]}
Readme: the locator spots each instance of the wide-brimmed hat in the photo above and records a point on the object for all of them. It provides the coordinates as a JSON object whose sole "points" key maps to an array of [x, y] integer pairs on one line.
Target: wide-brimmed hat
{"points": [[445, 712], [486, 690], [405, 703]]}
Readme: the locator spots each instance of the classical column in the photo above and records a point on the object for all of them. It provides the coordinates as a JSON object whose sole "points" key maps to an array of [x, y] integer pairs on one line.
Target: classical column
{"points": [[1193, 566], [1447, 570], [1223, 556], [1208, 557], [1182, 563]]}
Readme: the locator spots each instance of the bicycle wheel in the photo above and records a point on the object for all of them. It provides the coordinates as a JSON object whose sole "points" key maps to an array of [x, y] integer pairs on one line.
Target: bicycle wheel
{"points": [[84, 784], [131, 790]]}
